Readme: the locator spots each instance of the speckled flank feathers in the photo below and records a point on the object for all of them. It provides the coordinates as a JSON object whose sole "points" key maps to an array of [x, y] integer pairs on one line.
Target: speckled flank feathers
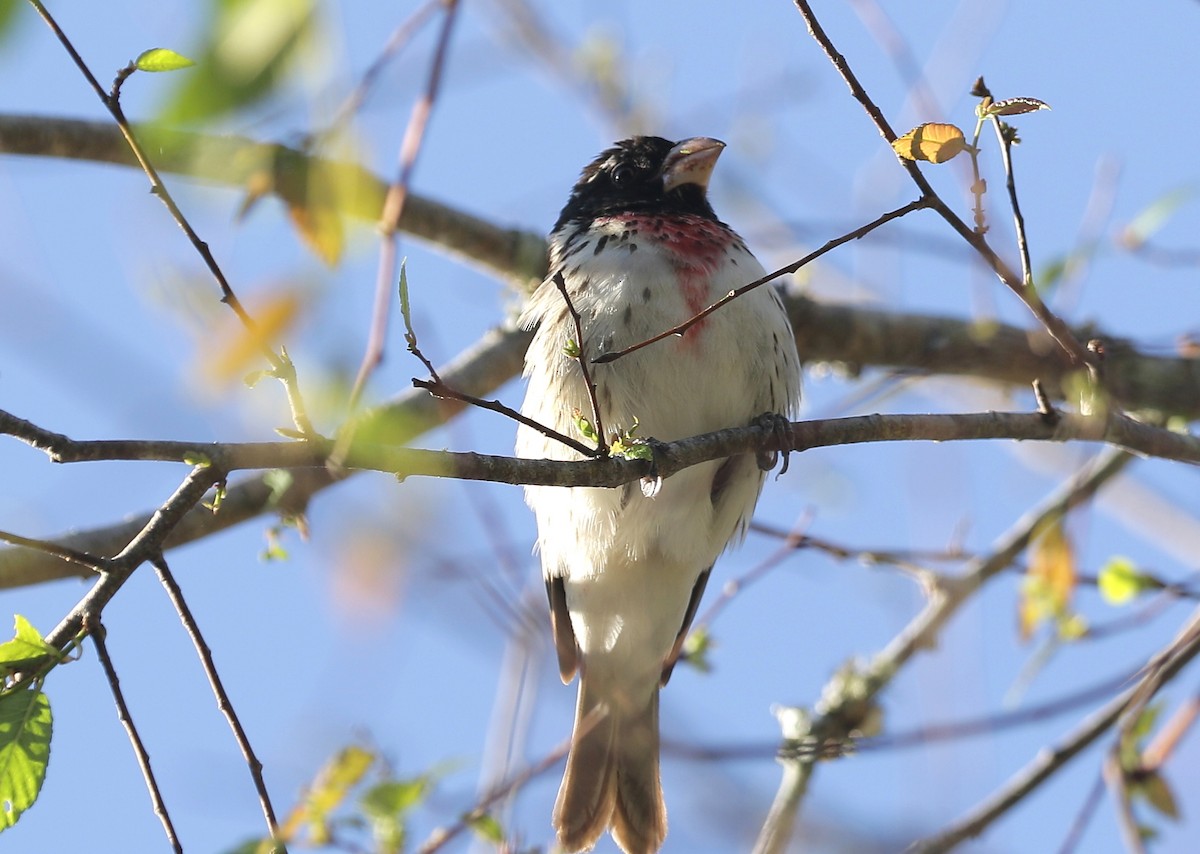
{"points": [[641, 250]]}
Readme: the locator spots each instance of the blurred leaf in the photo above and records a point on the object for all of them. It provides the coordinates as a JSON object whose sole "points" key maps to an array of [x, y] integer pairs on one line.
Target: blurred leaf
{"points": [[1089, 395], [161, 59], [1155, 216], [279, 481], [1049, 581], [273, 317], [326, 793], [1072, 627], [933, 141], [1120, 580], [274, 549], [1049, 276], [8, 16], [254, 846], [1016, 106], [248, 51], [696, 647], [487, 828], [393, 797], [1153, 787], [386, 804], [1146, 721], [316, 215], [25, 727]]}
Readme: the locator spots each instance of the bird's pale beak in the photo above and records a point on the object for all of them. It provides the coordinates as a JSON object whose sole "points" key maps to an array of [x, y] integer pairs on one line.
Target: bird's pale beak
{"points": [[691, 162]]}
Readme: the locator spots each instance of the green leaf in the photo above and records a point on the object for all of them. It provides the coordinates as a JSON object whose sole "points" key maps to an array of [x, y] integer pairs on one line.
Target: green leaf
{"points": [[251, 50], [1146, 720], [335, 780], [8, 16], [1153, 787], [696, 647], [197, 458], [279, 481], [161, 59], [25, 726], [257, 845], [392, 797], [26, 647], [487, 828], [1120, 580], [584, 426]]}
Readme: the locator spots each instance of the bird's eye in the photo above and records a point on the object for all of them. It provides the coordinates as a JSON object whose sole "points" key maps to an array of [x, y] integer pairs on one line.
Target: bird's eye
{"points": [[623, 175]]}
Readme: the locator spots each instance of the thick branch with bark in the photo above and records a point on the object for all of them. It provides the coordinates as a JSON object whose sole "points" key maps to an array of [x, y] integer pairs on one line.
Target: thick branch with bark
{"points": [[20, 565], [852, 335]]}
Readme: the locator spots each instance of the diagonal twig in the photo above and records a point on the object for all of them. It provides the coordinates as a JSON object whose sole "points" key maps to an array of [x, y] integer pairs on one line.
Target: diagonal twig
{"points": [[861, 231], [1053, 324], [175, 594], [393, 205], [840, 709], [282, 367], [601, 449], [97, 632]]}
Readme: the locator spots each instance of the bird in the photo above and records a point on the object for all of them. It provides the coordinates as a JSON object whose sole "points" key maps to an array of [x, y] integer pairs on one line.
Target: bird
{"points": [[636, 251]]}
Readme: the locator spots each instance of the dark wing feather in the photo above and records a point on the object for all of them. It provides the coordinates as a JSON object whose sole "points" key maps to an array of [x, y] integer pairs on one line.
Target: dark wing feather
{"points": [[560, 625]]}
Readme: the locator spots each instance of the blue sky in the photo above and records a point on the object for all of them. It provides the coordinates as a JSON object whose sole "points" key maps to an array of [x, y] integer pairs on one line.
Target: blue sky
{"points": [[383, 625]]}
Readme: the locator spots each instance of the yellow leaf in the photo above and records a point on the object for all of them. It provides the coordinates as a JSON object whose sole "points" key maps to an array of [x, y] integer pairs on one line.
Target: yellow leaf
{"points": [[235, 355], [1120, 580], [933, 141], [326, 792], [321, 227], [1049, 581]]}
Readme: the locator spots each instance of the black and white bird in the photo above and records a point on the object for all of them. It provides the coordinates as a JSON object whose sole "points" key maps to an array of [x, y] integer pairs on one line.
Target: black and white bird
{"points": [[640, 250]]}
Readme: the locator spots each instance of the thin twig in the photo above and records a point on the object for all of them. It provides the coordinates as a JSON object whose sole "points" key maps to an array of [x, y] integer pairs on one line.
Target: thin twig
{"points": [[398, 40], [671, 457], [989, 724], [1170, 734], [680, 329], [1005, 141], [1118, 790], [441, 390], [438, 388], [840, 710], [442, 835], [147, 543], [393, 205], [96, 564], [223, 702], [96, 630], [792, 542], [281, 365], [1164, 666], [601, 449], [1053, 324], [1084, 817]]}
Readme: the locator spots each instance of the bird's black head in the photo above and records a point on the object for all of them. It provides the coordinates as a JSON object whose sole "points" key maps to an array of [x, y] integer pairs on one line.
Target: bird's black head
{"points": [[645, 173]]}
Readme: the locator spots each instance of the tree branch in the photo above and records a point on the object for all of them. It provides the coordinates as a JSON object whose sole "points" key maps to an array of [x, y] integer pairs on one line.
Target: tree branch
{"points": [[848, 698], [851, 335], [21, 566]]}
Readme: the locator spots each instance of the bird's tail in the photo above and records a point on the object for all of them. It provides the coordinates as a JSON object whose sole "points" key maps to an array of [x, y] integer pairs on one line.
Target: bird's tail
{"points": [[612, 777]]}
